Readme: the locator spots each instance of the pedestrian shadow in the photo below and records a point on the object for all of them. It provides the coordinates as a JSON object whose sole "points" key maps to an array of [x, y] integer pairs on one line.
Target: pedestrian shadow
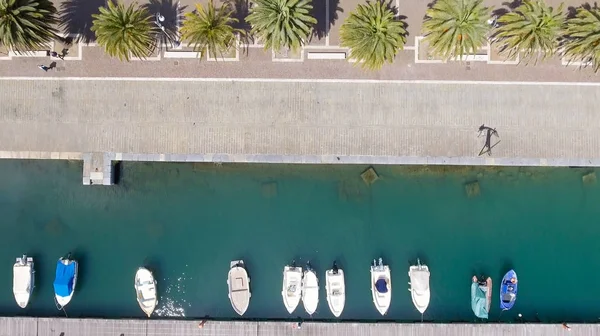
{"points": [[76, 18], [320, 11]]}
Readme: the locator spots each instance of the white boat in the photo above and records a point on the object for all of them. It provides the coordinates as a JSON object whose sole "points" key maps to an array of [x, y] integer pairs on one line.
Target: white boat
{"points": [[23, 280], [336, 290], [292, 287], [419, 286], [145, 289], [310, 290], [381, 286], [65, 281], [238, 283]]}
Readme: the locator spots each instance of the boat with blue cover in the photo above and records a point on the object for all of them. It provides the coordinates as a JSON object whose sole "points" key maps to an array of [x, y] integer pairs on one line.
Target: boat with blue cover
{"points": [[65, 281], [381, 286], [508, 290]]}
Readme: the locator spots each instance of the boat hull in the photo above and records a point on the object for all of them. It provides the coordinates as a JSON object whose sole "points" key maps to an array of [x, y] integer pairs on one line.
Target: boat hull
{"points": [[481, 297], [23, 280], [62, 301], [292, 287], [382, 300], [419, 286], [238, 283], [310, 291], [145, 289], [508, 290], [335, 287]]}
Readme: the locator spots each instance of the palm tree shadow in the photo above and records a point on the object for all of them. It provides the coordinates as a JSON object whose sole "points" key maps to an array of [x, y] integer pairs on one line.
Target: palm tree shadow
{"points": [[320, 12], [241, 10], [391, 5], [571, 12], [173, 16], [513, 5], [76, 18], [508, 7]]}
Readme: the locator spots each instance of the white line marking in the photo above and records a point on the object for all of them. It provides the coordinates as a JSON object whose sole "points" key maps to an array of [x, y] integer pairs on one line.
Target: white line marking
{"points": [[326, 22], [299, 80], [310, 47]]}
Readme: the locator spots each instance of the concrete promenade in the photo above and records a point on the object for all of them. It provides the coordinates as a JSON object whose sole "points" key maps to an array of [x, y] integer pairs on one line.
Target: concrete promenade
{"points": [[15, 326], [299, 121]]}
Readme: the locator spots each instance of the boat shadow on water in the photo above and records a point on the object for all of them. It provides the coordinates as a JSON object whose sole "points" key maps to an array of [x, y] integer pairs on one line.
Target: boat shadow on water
{"points": [[80, 256]]}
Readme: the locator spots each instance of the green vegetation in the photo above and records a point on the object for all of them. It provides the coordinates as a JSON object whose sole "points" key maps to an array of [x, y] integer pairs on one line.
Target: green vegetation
{"points": [[27, 25], [373, 34], [582, 37], [454, 28], [282, 23], [532, 30], [210, 28], [124, 31]]}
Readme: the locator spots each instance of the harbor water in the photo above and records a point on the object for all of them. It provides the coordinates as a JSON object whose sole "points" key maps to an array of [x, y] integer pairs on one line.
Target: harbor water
{"points": [[188, 221]]}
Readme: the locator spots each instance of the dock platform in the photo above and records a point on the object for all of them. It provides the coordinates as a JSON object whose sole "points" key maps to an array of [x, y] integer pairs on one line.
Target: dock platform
{"points": [[31, 326], [97, 169]]}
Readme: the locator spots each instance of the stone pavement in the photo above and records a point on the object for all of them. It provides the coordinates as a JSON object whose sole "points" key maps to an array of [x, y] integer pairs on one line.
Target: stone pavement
{"points": [[15, 326], [301, 121], [260, 64]]}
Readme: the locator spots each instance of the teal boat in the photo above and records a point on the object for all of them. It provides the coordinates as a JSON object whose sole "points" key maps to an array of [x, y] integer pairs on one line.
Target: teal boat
{"points": [[481, 297]]}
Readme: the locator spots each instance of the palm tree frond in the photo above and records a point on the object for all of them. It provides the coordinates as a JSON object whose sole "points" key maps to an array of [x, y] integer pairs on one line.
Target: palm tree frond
{"points": [[532, 31], [373, 34], [582, 37], [210, 28], [454, 28], [27, 25], [282, 23], [124, 31]]}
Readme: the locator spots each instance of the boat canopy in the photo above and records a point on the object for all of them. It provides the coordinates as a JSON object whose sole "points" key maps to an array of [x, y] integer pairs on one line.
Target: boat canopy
{"points": [[21, 279], [381, 286], [65, 274], [479, 300], [419, 280]]}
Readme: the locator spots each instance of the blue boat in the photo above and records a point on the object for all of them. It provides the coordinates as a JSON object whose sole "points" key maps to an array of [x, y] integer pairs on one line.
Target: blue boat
{"points": [[65, 281], [508, 290]]}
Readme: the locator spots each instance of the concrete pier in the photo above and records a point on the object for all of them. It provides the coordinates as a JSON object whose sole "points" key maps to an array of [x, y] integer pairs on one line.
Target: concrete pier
{"points": [[97, 169], [303, 121], [31, 326]]}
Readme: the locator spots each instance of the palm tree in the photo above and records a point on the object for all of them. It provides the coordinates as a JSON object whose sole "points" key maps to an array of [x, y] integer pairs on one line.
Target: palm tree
{"points": [[454, 28], [282, 23], [27, 25], [124, 31], [211, 28], [373, 34], [582, 40], [532, 29]]}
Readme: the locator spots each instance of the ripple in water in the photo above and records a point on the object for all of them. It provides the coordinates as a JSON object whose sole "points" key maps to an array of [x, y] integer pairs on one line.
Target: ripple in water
{"points": [[169, 307]]}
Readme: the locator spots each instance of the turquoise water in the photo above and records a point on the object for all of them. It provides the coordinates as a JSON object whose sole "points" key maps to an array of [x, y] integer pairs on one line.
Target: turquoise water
{"points": [[187, 221]]}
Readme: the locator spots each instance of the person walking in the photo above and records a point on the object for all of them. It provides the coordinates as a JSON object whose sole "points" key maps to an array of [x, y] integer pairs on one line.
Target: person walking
{"points": [[57, 55]]}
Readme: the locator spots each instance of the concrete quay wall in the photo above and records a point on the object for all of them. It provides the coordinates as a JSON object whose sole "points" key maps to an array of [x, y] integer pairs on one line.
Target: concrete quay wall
{"points": [[97, 167]]}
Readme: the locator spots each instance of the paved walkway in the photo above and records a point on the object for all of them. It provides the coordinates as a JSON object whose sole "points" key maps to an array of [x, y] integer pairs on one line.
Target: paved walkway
{"points": [[102, 327], [258, 63], [282, 121]]}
